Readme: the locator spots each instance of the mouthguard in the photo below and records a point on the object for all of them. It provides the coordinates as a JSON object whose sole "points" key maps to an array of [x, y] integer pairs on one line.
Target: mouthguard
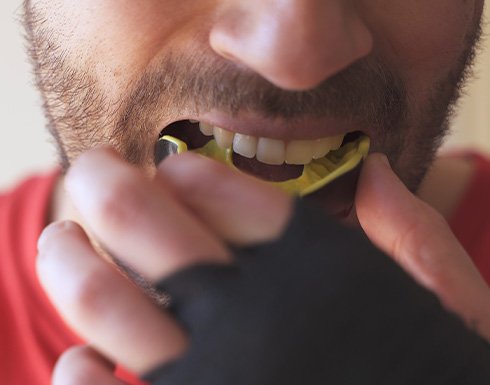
{"points": [[316, 175]]}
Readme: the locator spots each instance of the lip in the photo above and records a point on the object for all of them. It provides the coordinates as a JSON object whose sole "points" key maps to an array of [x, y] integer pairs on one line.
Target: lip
{"points": [[295, 129]]}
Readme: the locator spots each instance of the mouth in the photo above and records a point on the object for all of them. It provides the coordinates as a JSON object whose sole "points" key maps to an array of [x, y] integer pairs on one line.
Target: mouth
{"points": [[299, 167]]}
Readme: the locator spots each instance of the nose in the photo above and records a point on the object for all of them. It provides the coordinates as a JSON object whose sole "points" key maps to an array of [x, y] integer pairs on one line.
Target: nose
{"points": [[295, 44]]}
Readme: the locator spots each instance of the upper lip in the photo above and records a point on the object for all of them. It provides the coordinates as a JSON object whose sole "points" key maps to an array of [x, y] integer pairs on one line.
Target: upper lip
{"points": [[305, 128]]}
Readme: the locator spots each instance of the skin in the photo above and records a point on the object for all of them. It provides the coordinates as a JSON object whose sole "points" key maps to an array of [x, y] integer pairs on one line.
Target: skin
{"points": [[93, 297], [111, 45], [370, 67]]}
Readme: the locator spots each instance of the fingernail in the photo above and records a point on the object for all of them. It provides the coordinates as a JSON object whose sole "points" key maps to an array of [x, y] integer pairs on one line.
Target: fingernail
{"points": [[382, 158], [51, 230], [376, 176]]}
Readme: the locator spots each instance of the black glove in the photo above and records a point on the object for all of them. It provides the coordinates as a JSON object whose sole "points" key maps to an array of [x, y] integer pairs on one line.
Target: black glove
{"points": [[319, 306]]}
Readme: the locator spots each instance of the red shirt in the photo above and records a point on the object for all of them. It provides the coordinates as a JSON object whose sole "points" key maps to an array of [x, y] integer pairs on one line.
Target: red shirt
{"points": [[32, 335], [470, 221]]}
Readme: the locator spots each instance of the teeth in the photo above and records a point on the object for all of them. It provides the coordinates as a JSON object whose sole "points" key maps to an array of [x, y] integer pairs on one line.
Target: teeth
{"points": [[272, 151], [299, 152], [245, 145], [206, 129], [322, 147], [223, 137]]}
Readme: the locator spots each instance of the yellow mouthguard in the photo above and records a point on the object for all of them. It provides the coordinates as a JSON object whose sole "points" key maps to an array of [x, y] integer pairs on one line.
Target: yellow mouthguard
{"points": [[316, 174]]}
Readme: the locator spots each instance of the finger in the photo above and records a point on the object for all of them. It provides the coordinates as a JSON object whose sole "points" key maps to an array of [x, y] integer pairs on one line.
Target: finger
{"points": [[82, 365], [420, 240], [239, 208], [138, 220], [105, 308]]}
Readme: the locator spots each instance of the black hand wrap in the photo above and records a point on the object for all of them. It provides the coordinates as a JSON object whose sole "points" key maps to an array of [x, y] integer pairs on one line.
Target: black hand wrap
{"points": [[319, 306]]}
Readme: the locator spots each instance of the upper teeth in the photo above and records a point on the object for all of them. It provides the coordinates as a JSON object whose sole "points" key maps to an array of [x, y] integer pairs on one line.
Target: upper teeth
{"points": [[273, 151]]}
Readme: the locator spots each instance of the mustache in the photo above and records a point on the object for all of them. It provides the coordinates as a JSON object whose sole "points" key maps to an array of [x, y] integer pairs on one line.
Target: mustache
{"points": [[366, 91]]}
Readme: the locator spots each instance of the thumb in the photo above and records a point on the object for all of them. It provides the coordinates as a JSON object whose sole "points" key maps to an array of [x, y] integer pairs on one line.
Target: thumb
{"points": [[420, 240]]}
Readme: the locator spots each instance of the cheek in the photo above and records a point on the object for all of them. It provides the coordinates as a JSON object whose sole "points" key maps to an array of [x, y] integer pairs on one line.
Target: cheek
{"points": [[422, 47], [117, 38]]}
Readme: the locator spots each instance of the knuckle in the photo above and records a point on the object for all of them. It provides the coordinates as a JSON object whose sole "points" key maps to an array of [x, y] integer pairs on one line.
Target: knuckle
{"points": [[419, 233], [415, 248], [120, 203], [403, 245], [89, 294]]}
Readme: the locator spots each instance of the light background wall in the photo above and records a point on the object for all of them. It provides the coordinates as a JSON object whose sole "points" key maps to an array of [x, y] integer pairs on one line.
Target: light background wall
{"points": [[472, 125], [25, 146]]}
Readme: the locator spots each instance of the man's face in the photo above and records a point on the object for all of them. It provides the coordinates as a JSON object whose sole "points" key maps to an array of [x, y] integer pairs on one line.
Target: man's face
{"points": [[121, 71]]}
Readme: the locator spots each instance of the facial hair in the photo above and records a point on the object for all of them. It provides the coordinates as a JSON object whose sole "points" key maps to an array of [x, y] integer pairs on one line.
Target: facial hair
{"points": [[369, 92]]}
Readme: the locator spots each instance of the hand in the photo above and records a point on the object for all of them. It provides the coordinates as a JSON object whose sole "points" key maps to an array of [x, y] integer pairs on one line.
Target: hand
{"points": [[150, 216], [420, 240], [185, 216]]}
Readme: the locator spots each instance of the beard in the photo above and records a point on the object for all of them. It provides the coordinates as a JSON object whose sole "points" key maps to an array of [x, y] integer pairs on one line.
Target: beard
{"points": [[80, 116]]}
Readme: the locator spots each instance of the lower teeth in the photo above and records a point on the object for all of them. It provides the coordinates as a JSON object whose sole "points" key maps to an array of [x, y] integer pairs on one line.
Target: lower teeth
{"points": [[315, 175]]}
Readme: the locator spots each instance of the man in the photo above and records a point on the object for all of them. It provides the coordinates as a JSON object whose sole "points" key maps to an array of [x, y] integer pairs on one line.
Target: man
{"points": [[263, 73]]}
